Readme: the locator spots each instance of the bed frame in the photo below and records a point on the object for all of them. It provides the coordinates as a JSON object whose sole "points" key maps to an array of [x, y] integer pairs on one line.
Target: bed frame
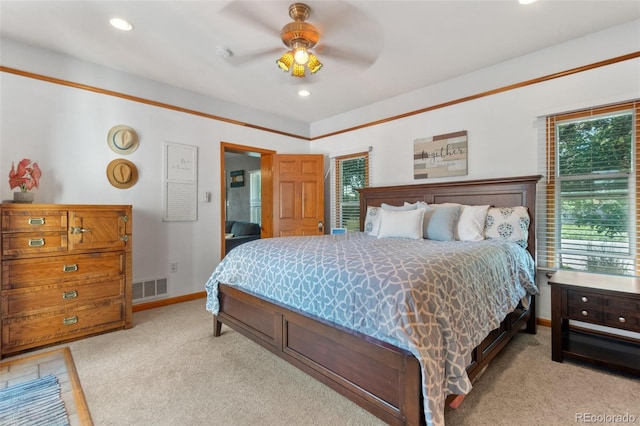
{"points": [[381, 378]]}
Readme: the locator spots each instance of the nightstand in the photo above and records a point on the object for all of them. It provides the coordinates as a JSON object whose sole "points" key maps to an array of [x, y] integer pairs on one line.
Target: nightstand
{"points": [[605, 300]]}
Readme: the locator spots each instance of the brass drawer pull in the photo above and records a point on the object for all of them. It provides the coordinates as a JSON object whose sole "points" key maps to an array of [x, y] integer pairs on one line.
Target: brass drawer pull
{"points": [[79, 230], [622, 319], [584, 313], [70, 320], [584, 299], [36, 221], [36, 242], [70, 268], [70, 294]]}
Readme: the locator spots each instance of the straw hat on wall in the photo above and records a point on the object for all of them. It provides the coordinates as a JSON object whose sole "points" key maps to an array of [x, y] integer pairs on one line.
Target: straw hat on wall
{"points": [[122, 173], [122, 139]]}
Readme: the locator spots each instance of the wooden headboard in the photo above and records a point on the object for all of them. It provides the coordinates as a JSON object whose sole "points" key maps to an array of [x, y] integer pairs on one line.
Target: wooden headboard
{"points": [[503, 192]]}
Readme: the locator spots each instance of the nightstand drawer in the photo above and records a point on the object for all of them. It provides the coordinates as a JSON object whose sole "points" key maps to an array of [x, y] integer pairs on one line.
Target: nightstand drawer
{"points": [[622, 313], [584, 306]]}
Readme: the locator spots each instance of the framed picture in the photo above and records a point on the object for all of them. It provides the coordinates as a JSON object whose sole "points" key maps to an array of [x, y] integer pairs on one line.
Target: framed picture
{"points": [[440, 156], [237, 178]]}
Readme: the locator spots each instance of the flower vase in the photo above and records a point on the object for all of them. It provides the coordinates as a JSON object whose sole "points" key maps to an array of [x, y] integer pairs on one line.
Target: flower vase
{"points": [[23, 197]]}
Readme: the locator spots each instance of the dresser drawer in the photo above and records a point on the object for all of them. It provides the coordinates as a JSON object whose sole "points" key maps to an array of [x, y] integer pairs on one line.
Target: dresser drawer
{"points": [[33, 243], [622, 313], [35, 272], [41, 330], [34, 221], [58, 297], [584, 306]]}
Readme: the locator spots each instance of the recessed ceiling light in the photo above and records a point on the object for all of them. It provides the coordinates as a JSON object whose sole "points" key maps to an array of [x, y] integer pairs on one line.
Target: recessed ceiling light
{"points": [[304, 93], [121, 24], [526, 1]]}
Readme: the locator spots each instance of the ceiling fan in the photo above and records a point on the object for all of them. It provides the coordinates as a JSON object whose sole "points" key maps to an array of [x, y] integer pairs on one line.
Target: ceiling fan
{"points": [[343, 21], [299, 36]]}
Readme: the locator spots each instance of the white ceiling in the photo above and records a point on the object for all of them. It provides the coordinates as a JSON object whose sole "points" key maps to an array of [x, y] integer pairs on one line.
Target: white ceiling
{"points": [[371, 50]]}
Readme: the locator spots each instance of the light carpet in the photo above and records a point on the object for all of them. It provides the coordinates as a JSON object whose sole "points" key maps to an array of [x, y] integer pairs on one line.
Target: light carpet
{"points": [[169, 369]]}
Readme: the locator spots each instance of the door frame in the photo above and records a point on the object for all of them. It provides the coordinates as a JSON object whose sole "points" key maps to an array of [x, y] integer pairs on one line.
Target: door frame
{"points": [[266, 161]]}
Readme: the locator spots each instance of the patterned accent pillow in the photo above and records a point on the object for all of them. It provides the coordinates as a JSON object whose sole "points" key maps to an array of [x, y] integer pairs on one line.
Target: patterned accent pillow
{"points": [[508, 224], [372, 220]]}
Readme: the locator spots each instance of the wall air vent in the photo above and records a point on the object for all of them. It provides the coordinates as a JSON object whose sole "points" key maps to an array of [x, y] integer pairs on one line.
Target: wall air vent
{"points": [[150, 289]]}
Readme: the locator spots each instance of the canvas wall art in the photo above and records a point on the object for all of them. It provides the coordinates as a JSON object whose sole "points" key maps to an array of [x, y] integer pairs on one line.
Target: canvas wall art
{"points": [[440, 156]]}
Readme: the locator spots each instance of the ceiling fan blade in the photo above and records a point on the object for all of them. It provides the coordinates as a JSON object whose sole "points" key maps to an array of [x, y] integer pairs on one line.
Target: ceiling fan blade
{"points": [[244, 12], [249, 56], [352, 56]]}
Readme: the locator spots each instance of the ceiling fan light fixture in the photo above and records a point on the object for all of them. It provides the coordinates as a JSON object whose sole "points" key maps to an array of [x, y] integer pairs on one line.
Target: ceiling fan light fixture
{"points": [[298, 70], [301, 56], [314, 64], [285, 61]]}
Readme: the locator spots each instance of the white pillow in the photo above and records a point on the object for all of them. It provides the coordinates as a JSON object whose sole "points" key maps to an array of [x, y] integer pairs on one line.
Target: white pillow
{"points": [[402, 208], [471, 223], [401, 224], [508, 224]]}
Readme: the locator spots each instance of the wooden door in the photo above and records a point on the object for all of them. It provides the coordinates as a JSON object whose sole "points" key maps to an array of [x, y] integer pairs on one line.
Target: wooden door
{"points": [[298, 195]]}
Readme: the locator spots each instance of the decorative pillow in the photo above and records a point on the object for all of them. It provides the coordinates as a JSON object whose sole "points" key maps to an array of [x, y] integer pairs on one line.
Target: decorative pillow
{"points": [[471, 222], [439, 221], [508, 224], [403, 208], [401, 224], [372, 220]]}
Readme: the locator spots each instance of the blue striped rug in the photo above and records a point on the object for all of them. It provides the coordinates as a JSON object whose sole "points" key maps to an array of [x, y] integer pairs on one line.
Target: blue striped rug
{"points": [[35, 402]]}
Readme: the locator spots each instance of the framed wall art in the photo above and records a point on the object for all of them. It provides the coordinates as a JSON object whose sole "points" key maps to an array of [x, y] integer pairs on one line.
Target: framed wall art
{"points": [[440, 156], [237, 178]]}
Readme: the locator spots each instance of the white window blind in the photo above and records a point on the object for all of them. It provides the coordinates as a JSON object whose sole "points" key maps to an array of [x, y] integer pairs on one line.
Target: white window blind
{"points": [[588, 201], [350, 172]]}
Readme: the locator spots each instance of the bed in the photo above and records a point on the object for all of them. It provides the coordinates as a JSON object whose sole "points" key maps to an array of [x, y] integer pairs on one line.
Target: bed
{"points": [[384, 373]]}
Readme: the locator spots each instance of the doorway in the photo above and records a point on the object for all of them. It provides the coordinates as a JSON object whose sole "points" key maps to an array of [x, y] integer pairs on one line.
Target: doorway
{"points": [[251, 168]]}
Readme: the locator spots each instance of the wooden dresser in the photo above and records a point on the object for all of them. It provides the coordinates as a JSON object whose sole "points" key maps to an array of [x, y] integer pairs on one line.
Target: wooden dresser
{"points": [[66, 273]]}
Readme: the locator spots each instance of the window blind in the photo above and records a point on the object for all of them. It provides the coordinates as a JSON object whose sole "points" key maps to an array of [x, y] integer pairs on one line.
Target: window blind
{"points": [[350, 173], [588, 203]]}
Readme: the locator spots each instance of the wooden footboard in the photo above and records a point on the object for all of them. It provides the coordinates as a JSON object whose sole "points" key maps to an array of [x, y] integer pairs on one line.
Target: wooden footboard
{"points": [[383, 379], [340, 358]]}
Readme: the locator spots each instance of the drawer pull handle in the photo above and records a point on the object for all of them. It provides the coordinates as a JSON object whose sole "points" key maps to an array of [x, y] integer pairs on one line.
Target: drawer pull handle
{"points": [[584, 299], [70, 294], [36, 242], [79, 230], [622, 319], [584, 313], [70, 268], [124, 238], [70, 320], [36, 221]]}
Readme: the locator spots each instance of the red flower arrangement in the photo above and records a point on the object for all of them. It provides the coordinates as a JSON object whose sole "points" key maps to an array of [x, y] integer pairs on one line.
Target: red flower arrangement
{"points": [[26, 176]]}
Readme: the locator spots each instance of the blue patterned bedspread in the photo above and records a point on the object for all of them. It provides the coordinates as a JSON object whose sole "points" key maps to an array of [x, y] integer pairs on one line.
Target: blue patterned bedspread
{"points": [[436, 299]]}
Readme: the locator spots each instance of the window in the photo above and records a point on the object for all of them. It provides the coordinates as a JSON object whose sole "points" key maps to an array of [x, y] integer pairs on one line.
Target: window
{"points": [[350, 173], [589, 205], [255, 197]]}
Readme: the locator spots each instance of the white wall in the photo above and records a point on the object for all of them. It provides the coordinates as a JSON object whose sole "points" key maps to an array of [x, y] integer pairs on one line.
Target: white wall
{"points": [[65, 130]]}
